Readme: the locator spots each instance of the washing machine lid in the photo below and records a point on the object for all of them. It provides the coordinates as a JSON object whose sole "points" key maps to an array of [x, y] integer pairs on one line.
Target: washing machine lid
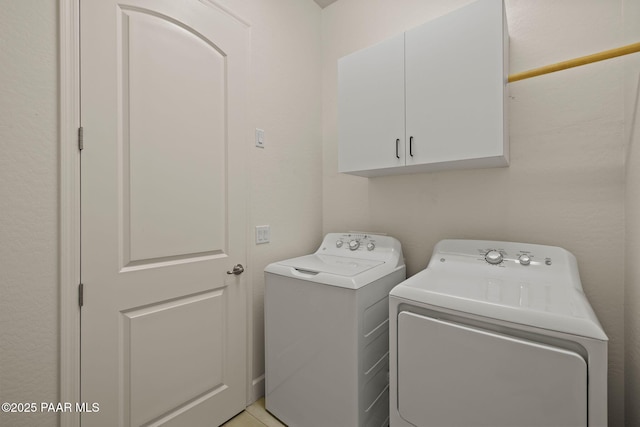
{"points": [[331, 264], [338, 262], [544, 304], [343, 272]]}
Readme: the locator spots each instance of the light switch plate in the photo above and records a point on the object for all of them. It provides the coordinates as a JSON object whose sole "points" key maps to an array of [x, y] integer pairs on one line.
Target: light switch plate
{"points": [[263, 234], [259, 138]]}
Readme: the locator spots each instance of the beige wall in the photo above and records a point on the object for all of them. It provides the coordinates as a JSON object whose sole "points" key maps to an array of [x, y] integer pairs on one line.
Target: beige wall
{"points": [[28, 208], [565, 185], [285, 181], [632, 282]]}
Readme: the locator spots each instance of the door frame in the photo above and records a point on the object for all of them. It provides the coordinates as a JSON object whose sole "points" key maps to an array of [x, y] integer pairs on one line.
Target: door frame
{"points": [[69, 209], [69, 212]]}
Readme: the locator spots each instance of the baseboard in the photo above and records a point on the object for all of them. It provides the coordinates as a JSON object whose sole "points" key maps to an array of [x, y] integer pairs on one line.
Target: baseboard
{"points": [[257, 389]]}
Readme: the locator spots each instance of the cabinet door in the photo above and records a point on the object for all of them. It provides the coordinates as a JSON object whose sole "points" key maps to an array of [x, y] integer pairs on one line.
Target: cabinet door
{"points": [[455, 85], [371, 108]]}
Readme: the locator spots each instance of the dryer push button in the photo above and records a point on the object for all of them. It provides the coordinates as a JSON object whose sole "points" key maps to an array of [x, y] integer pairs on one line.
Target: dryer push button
{"points": [[524, 259], [493, 257]]}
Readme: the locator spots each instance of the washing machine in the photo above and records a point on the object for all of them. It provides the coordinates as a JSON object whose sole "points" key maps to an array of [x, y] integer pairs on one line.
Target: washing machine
{"points": [[496, 334], [327, 332]]}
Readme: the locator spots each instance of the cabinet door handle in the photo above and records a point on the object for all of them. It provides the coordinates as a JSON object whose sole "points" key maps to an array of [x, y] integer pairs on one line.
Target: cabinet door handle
{"points": [[411, 146], [397, 144]]}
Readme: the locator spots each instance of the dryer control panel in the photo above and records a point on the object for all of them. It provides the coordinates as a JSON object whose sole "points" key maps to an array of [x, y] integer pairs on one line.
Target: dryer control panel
{"points": [[517, 261], [525, 255]]}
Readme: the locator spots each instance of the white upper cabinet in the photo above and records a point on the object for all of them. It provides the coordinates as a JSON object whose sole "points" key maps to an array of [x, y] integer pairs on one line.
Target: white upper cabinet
{"points": [[371, 107], [443, 105]]}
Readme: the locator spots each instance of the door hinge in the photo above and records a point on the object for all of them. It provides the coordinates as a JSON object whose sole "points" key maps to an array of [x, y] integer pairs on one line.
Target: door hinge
{"points": [[81, 294], [80, 138]]}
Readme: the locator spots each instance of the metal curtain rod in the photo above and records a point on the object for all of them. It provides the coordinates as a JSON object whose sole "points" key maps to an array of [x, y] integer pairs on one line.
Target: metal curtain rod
{"points": [[576, 62]]}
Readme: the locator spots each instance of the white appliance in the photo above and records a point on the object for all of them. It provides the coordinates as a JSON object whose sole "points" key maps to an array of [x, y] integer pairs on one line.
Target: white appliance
{"points": [[327, 332], [496, 334]]}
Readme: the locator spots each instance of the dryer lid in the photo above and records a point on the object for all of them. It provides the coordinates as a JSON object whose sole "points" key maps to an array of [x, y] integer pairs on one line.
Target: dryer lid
{"points": [[543, 304], [331, 264], [526, 284]]}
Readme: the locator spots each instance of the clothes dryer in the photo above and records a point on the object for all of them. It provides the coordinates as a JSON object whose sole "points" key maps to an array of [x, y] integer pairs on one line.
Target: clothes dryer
{"points": [[327, 332], [496, 334]]}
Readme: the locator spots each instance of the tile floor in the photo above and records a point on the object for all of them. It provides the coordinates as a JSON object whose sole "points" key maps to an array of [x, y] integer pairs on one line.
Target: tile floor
{"points": [[254, 416]]}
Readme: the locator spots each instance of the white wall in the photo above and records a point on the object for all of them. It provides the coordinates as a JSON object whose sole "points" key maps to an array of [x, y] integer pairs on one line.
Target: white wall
{"points": [[284, 190], [565, 185], [632, 280], [28, 208]]}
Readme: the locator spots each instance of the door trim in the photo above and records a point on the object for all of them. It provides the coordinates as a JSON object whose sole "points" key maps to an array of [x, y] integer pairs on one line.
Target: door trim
{"points": [[69, 209]]}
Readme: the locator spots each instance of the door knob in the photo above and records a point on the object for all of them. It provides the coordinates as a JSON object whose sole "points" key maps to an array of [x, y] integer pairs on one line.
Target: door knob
{"points": [[237, 269]]}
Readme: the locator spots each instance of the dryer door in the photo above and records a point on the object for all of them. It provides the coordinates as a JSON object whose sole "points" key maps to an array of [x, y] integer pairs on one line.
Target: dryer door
{"points": [[454, 375]]}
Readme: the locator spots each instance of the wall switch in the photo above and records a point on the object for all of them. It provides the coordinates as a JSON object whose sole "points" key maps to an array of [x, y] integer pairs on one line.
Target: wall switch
{"points": [[263, 234], [259, 138]]}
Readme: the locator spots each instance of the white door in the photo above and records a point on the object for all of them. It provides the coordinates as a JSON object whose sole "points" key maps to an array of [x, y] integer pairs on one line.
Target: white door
{"points": [[163, 212]]}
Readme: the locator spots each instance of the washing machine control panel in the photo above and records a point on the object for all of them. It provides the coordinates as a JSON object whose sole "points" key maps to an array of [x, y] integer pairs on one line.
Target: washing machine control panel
{"points": [[360, 246], [356, 241], [364, 246]]}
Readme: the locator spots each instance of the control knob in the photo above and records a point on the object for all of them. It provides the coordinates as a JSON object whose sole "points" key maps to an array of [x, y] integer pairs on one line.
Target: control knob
{"points": [[524, 259], [493, 257], [354, 244], [371, 246], [338, 243]]}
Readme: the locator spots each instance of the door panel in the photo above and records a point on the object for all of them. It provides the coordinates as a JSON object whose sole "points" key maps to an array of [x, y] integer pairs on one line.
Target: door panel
{"points": [[454, 375], [163, 212], [174, 116], [154, 337]]}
